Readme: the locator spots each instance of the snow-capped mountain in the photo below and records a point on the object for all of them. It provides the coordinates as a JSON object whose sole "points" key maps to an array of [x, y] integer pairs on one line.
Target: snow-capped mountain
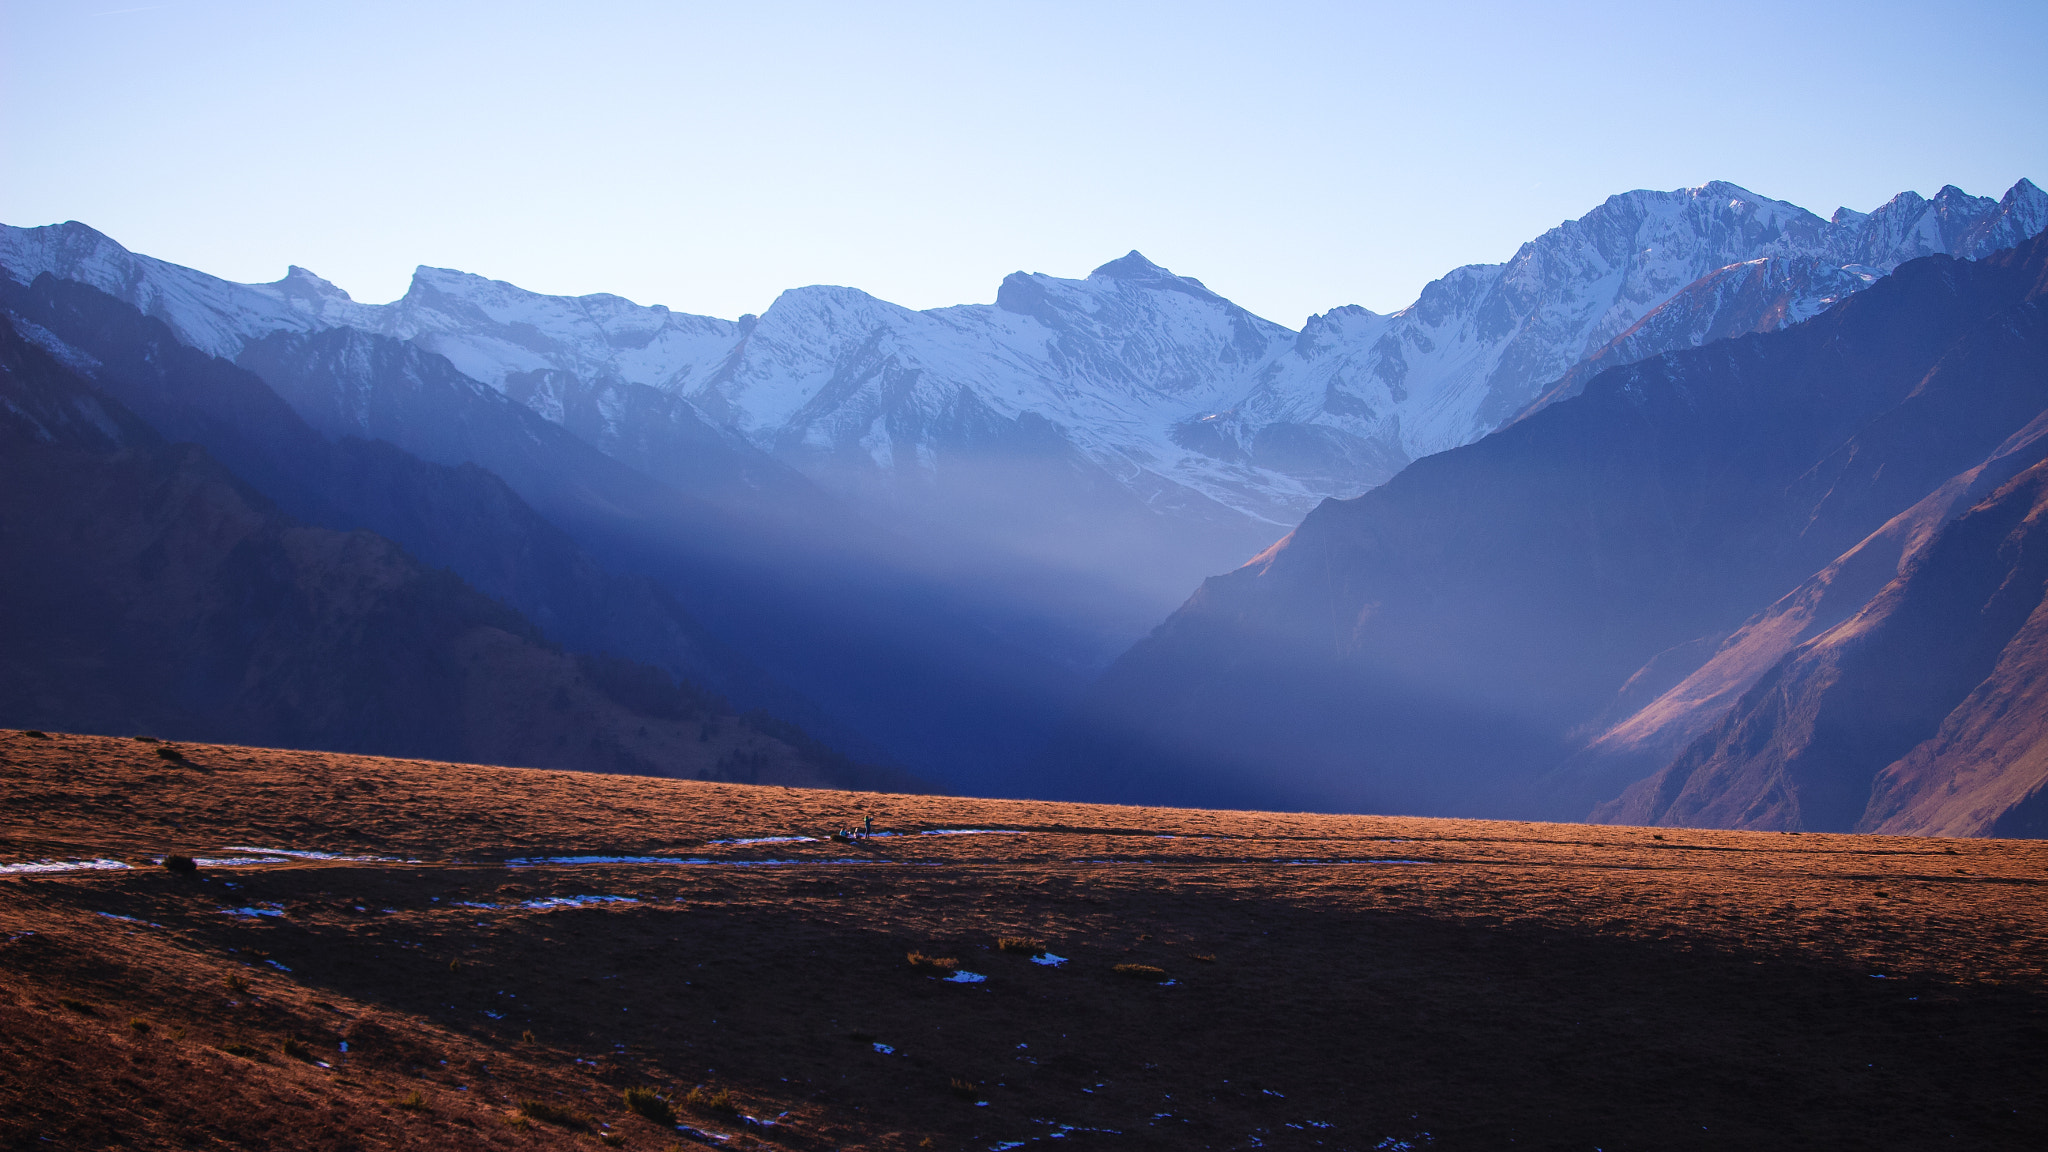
{"points": [[1140, 396], [1480, 344], [1045, 425]]}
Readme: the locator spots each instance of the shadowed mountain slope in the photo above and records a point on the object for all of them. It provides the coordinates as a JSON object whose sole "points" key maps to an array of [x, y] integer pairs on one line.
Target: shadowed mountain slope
{"points": [[1439, 643], [871, 644], [461, 517], [1926, 712], [152, 591]]}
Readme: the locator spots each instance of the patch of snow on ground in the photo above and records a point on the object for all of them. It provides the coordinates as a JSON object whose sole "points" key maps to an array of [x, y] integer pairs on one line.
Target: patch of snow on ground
{"points": [[951, 832], [1297, 863], [769, 840], [965, 978], [536, 861], [547, 902], [571, 861], [1050, 961], [61, 866], [300, 854]]}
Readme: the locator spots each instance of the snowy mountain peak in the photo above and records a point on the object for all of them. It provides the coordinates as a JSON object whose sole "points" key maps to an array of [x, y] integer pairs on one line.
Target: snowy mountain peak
{"points": [[303, 282], [1342, 325], [1131, 266], [1717, 190], [73, 251], [448, 288]]}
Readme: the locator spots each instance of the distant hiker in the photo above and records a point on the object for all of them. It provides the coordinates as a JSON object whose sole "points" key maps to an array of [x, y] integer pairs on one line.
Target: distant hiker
{"points": [[867, 826]]}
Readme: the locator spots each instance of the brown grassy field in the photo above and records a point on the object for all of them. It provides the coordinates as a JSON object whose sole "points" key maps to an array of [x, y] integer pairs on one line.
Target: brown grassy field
{"points": [[1229, 980]]}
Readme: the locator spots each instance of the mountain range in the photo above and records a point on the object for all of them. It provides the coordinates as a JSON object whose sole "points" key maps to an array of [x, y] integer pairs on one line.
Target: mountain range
{"points": [[152, 591], [1161, 433], [922, 534], [1790, 580]]}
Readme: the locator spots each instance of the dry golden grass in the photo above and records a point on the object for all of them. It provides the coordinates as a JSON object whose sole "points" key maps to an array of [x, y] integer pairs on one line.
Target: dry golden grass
{"points": [[1481, 982]]}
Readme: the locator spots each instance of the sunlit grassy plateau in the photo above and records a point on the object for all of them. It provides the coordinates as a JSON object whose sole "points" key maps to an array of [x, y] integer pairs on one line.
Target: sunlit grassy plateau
{"points": [[1229, 980]]}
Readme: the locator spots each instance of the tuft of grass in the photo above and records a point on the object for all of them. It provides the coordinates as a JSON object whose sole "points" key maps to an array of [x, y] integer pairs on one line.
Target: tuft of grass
{"points": [[78, 1006], [412, 1102], [943, 963], [717, 1103], [1203, 957], [548, 1113], [612, 1139], [35, 735], [235, 983], [138, 1025], [517, 1121], [1140, 971], [145, 740], [526, 1037], [964, 1089], [1020, 944], [651, 1104], [1656, 836], [181, 864], [297, 1050], [171, 752], [247, 1052]]}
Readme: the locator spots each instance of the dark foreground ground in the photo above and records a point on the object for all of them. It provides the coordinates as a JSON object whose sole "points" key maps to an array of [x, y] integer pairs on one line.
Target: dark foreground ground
{"points": [[1335, 982]]}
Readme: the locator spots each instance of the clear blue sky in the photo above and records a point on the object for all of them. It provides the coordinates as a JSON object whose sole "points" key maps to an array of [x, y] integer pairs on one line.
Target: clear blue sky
{"points": [[1295, 156]]}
